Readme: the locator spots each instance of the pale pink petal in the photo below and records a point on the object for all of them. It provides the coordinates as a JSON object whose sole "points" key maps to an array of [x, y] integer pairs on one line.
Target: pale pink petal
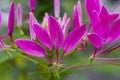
{"points": [[66, 27], [57, 8], [19, 15], [32, 21]]}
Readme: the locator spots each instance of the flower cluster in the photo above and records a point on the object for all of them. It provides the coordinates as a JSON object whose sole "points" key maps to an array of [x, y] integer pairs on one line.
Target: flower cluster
{"points": [[51, 38]]}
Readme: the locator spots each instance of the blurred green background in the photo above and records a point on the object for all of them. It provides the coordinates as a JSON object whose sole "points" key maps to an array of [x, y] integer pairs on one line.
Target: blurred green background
{"points": [[17, 68]]}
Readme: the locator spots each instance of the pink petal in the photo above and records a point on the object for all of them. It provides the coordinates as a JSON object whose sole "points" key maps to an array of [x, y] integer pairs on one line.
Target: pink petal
{"points": [[66, 27], [55, 32], [113, 17], [77, 15], [31, 47], [73, 38], [95, 39], [32, 21], [57, 8], [19, 15], [64, 19], [115, 32], [105, 21], [0, 18], [95, 20], [42, 35], [93, 5], [11, 18], [32, 4], [75, 18]]}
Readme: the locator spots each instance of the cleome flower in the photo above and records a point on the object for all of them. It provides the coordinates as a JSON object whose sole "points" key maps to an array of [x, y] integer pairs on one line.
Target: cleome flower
{"points": [[50, 40], [104, 28]]}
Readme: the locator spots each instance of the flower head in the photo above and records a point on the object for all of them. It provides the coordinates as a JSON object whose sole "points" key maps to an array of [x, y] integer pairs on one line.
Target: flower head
{"points": [[52, 39]]}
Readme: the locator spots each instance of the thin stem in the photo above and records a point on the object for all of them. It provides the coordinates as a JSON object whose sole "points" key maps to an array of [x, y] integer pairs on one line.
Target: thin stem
{"points": [[86, 65], [50, 61], [106, 50]]}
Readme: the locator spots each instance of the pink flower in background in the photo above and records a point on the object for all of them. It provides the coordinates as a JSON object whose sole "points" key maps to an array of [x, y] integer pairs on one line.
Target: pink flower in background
{"points": [[104, 29], [19, 15], [32, 4]]}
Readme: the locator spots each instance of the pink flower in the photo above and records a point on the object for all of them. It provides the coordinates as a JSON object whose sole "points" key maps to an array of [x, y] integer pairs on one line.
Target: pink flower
{"points": [[52, 39]]}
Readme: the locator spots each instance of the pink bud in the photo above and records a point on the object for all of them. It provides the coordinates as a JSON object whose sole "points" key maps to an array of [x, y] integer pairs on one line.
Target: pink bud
{"points": [[19, 15], [0, 18], [11, 18], [57, 8], [32, 4]]}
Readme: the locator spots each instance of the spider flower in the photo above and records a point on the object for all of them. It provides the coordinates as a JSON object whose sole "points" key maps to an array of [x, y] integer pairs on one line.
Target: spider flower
{"points": [[52, 39], [103, 31], [11, 19], [32, 4], [19, 15], [77, 15]]}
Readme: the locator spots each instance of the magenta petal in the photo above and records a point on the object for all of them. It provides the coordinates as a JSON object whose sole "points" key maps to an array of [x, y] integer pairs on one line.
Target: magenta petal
{"points": [[113, 17], [57, 8], [105, 21], [95, 39], [0, 18], [55, 32], [31, 47], [75, 17], [19, 15], [93, 5], [95, 20], [32, 4], [73, 38], [11, 18], [115, 32], [42, 35]]}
